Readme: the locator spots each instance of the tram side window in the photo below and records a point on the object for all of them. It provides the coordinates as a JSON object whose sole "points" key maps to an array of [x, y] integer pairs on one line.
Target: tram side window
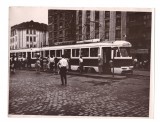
{"points": [[34, 54], [46, 53], [75, 52], [20, 54], [93, 52], [24, 54], [85, 52], [67, 53], [58, 53], [52, 52]]}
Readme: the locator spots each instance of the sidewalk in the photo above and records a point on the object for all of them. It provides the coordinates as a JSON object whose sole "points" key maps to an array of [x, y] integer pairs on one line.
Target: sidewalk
{"points": [[141, 72], [93, 75]]}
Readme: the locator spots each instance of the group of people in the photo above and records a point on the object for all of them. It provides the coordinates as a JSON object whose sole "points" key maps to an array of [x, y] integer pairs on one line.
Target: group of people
{"points": [[60, 66], [141, 64], [17, 63], [46, 64]]}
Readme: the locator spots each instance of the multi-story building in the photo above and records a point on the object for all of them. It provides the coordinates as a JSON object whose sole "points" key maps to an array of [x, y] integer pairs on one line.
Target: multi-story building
{"points": [[104, 25], [77, 25], [61, 26], [139, 33], [28, 35]]}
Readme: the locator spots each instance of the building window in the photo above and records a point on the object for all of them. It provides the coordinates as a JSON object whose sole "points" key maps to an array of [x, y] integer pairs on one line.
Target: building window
{"points": [[27, 31], [60, 40], [55, 34], [96, 15], [107, 24], [107, 15], [106, 35], [55, 27], [118, 22], [61, 16], [93, 52], [80, 18], [60, 33], [88, 16], [30, 39], [30, 31], [97, 30], [55, 18], [34, 31], [50, 34], [118, 34], [118, 14], [34, 39], [27, 38]]}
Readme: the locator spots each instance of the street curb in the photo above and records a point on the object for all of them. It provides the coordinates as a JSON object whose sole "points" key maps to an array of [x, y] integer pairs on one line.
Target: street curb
{"points": [[98, 76]]}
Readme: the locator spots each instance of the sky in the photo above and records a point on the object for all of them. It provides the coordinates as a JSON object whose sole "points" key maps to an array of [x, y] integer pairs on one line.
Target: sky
{"points": [[18, 15], [21, 14]]}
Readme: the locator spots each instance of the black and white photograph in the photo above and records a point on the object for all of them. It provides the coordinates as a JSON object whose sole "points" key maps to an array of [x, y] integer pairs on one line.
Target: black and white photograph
{"points": [[92, 62]]}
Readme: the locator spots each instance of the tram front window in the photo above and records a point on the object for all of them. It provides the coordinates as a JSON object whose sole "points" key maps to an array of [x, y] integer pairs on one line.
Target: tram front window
{"points": [[124, 52]]}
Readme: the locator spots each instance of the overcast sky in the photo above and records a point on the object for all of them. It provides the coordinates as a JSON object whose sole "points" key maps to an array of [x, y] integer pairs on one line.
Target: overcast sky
{"points": [[18, 15]]}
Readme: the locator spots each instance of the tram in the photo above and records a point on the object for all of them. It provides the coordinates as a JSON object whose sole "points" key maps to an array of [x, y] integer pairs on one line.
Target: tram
{"points": [[115, 52]]}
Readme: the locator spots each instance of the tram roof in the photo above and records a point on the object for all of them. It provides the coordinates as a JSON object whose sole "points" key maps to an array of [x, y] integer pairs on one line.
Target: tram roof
{"points": [[120, 43], [103, 44]]}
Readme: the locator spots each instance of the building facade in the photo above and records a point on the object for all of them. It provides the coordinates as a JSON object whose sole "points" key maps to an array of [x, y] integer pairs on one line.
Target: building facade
{"points": [[61, 26], [139, 33], [104, 25], [28, 35]]}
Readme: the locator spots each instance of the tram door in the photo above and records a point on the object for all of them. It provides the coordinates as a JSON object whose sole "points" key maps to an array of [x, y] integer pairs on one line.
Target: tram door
{"points": [[106, 58]]}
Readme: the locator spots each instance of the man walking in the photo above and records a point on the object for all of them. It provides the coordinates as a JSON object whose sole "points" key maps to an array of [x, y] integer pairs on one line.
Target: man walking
{"points": [[63, 65], [100, 63]]}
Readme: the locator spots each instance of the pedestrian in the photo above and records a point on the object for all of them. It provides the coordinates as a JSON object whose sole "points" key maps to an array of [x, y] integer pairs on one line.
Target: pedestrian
{"points": [[63, 65], [55, 64], [17, 63], [45, 64], [100, 63], [81, 64], [41, 62], [37, 64], [135, 62], [51, 62], [12, 64], [29, 61]]}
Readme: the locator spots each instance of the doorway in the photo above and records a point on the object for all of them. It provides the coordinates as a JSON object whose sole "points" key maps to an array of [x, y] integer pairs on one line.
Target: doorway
{"points": [[106, 52]]}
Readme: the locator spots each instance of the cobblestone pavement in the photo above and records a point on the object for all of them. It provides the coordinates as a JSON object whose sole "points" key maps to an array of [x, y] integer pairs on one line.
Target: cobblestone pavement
{"points": [[43, 94]]}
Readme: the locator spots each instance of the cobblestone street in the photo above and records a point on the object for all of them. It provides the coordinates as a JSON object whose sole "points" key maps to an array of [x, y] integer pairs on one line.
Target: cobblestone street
{"points": [[43, 94]]}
